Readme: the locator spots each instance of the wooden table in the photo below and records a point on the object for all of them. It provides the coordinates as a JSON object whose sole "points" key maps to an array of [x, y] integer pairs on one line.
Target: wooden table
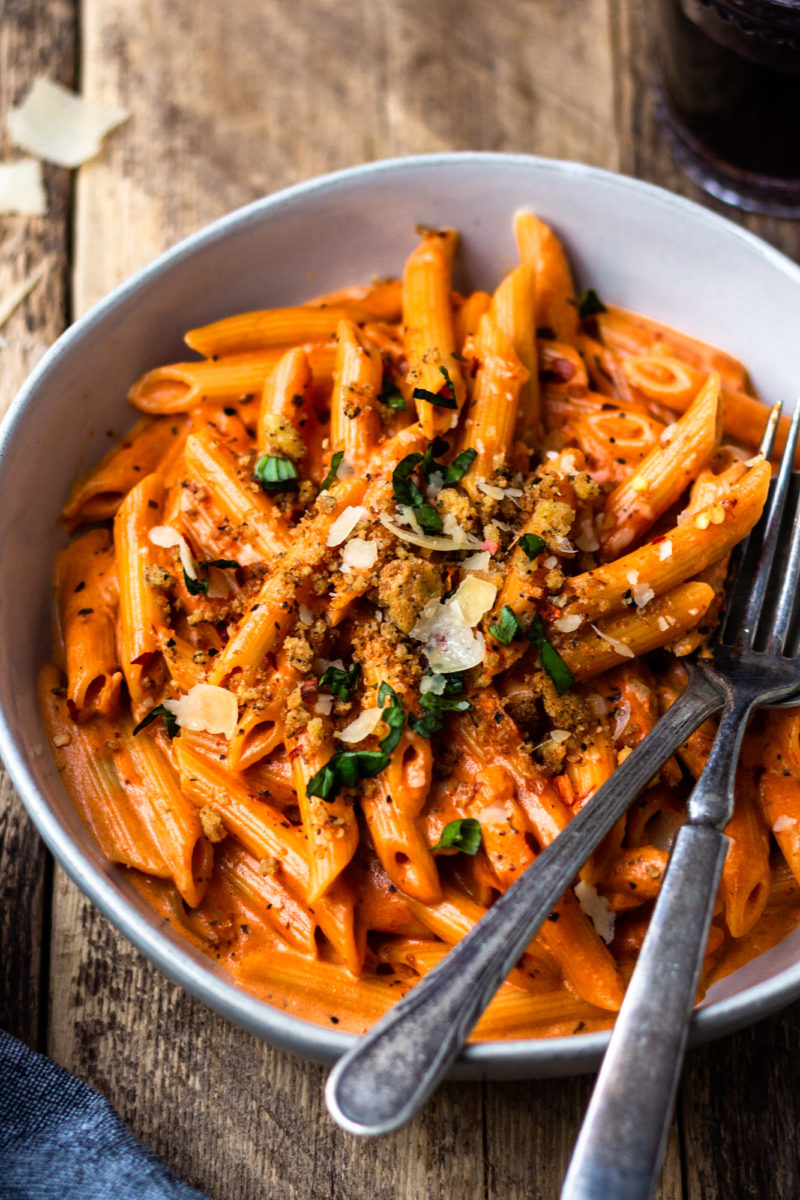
{"points": [[228, 102]]}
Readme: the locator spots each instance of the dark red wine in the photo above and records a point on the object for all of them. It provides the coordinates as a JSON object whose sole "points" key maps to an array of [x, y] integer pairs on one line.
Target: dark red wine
{"points": [[731, 93]]}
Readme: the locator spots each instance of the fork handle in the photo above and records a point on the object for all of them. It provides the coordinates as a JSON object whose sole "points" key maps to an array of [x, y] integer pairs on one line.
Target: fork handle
{"points": [[624, 1134], [623, 1137], [389, 1074]]}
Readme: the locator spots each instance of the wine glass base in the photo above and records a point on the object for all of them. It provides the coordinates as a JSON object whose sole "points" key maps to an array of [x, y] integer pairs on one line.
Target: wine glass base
{"points": [[741, 189]]}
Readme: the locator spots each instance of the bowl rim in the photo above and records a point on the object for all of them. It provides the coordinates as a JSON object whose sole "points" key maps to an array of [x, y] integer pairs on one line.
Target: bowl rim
{"points": [[520, 1057]]}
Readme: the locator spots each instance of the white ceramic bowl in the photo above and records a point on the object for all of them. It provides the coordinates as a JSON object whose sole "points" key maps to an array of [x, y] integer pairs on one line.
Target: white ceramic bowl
{"points": [[639, 246]]}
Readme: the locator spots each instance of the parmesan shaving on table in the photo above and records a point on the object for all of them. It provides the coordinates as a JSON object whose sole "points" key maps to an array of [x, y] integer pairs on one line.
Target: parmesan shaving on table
{"points": [[60, 127], [22, 191]]}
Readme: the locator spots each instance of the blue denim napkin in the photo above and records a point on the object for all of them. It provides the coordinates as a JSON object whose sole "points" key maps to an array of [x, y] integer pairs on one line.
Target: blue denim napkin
{"points": [[60, 1140]]}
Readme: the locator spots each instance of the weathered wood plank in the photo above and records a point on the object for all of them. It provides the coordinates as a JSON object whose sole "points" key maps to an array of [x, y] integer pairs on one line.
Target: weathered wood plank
{"points": [[740, 1109], [36, 37]]}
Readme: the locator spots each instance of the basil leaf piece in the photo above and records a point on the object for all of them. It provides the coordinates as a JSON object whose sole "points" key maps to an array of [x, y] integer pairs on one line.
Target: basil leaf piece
{"points": [[464, 835], [551, 660], [460, 465], [393, 716], [341, 683], [198, 586], [428, 518], [428, 464], [590, 304], [435, 398], [346, 768], [392, 397], [532, 544], [223, 563], [170, 721], [506, 628], [333, 472], [435, 704], [404, 489], [276, 474]]}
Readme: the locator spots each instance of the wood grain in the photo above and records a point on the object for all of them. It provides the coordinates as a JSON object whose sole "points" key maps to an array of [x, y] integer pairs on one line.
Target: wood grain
{"points": [[228, 103], [36, 36]]}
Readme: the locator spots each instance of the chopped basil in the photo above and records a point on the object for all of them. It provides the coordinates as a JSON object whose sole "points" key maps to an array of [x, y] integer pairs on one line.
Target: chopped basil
{"points": [[199, 586], [405, 490], [532, 544], [346, 768], [440, 399], [460, 465], [434, 705], [392, 397], [333, 473], [428, 463], [170, 721], [464, 835], [341, 683], [507, 627], [428, 518], [393, 716], [590, 304], [276, 474], [551, 660]]}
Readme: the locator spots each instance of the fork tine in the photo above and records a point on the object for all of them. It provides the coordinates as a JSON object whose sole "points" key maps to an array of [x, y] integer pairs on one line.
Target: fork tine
{"points": [[771, 534], [789, 593], [770, 430], [737, 584]]}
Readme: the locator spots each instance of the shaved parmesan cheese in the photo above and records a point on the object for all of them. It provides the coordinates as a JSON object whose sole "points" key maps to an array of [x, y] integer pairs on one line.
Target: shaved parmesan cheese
{"points": [[206, 708], [450, 643], [663, 624], [167, 537], [615, 643], [345, 523], [642, 594], [622, 715], [321, 664], [569, 623], [597, 910], [783, 823], [632, 578], [564, 545], [498, 493], [434, 684], [324, 704], [14, 298], [559, 735], [365, 723], [452, 538], [60, 127], [473, 599], [22, 191], [550, 562], [477, 562], [665, 549], [304, 615], [359, 554]]}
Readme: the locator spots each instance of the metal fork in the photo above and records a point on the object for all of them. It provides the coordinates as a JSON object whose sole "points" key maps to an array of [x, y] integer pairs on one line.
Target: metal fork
{"points": [[389, 1074], [753, 662]]}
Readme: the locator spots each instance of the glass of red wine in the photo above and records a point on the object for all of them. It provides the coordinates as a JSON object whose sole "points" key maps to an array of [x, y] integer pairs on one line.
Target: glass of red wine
{"points": [[729, 98]]}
